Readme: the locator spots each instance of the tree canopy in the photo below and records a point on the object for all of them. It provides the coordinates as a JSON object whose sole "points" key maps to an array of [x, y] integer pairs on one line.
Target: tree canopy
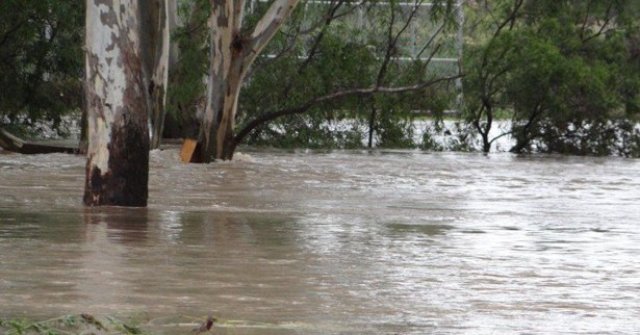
{"points": [[565, 74], [40, 60]]}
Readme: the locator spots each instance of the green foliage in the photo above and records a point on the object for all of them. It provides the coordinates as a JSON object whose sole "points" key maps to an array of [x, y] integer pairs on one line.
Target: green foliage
{"points": [[428, 141], [69, 324], [567, 71], [40, 60], [336, 56]]}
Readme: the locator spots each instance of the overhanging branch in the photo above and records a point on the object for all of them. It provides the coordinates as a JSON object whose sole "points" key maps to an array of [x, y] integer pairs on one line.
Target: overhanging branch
{"points": [[268, 117]]}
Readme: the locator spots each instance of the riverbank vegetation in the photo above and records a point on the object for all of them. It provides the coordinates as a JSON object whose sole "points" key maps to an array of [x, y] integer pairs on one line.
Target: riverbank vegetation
{"points": [[565, 74], [40, 64], [78, 324], [567, 71], [141, 324], [71, 324]]}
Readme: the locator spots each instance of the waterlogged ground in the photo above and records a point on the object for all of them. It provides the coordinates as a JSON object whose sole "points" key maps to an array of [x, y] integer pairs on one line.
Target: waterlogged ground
{"points": [[333, 243]]}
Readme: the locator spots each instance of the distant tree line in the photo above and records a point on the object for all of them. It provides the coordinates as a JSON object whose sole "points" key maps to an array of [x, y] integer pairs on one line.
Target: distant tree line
{"points": [[40, 60], [565, 73]]}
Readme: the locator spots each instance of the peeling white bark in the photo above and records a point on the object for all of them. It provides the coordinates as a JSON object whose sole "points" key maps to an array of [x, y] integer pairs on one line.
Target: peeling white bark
{"points": [[116, 105], [107, 80], [232, 54], [271, 22], [164, 17]]}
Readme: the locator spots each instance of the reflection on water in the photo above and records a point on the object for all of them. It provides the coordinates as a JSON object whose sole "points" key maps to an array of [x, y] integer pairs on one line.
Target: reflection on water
{"points": [[344, 242]]}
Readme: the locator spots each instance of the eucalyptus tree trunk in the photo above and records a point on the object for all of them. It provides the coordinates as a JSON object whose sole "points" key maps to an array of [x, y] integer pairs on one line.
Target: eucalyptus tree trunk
{"points": [[159, 19], [117, 169], [232, 51]]}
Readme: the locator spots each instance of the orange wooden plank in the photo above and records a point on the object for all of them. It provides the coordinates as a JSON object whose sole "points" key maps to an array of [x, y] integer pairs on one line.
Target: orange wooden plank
{"points": [[187, 150]]}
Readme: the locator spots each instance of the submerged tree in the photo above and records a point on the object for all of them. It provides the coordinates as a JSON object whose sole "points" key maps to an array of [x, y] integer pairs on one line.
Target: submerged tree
{"points": [[117, 104], [566, 88], [561, 71], [235, 45], [158, 22], [232, 51], [488, 66], [126, 70]]}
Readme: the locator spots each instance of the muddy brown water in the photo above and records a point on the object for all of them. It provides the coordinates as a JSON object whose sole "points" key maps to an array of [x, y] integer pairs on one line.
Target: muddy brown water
{"points": [[344, 242]]}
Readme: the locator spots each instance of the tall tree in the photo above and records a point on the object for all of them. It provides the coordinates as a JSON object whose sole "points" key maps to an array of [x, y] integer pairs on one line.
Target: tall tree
{"points": [[117, 105], [561, 70], [234, 48], [487, 68], [232, 51], [159, 20]]}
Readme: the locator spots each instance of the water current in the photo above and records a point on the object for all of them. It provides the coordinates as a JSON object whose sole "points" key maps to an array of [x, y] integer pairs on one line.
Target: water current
{"points": [[343, 242]]}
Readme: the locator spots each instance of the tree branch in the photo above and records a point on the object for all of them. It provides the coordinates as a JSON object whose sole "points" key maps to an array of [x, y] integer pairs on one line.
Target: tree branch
{"points": [[510, 132], [393, 40], [586, 19], [265, 118], [608, 18], [333, 15], [9, 32], [316, 43], [430, 41], [267, 27]]}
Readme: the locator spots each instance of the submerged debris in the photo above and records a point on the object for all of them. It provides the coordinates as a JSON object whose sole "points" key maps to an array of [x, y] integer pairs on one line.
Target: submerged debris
{"points": [[205, 326], [88, 318]]}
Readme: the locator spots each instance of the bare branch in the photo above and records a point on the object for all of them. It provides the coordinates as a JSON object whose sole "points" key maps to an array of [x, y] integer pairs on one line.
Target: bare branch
{"points": [[510, 132], [393, 40], [509, 21], [433, 53], [586, 19], [430, 41], [511, 18], [333, 15], [316, 43], [608, 18]]}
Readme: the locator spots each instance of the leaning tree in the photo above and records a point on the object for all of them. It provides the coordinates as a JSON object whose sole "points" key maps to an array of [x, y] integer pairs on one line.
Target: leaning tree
{"points": [[233, 49], [236, 44]]}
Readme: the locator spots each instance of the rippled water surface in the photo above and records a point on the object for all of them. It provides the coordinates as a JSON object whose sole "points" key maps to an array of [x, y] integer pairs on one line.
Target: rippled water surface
{"points": [[334, 243]]}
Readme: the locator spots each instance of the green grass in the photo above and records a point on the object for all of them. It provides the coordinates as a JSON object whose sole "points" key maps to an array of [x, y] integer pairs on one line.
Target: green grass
{"points": [[70, 325]]}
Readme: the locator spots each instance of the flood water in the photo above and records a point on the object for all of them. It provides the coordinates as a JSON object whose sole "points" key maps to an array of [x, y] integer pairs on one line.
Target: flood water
{"points": [[344, 242]]}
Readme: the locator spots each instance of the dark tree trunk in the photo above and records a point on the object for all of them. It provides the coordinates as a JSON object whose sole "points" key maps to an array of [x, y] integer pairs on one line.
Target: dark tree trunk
{"points": [[486, 145]]}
